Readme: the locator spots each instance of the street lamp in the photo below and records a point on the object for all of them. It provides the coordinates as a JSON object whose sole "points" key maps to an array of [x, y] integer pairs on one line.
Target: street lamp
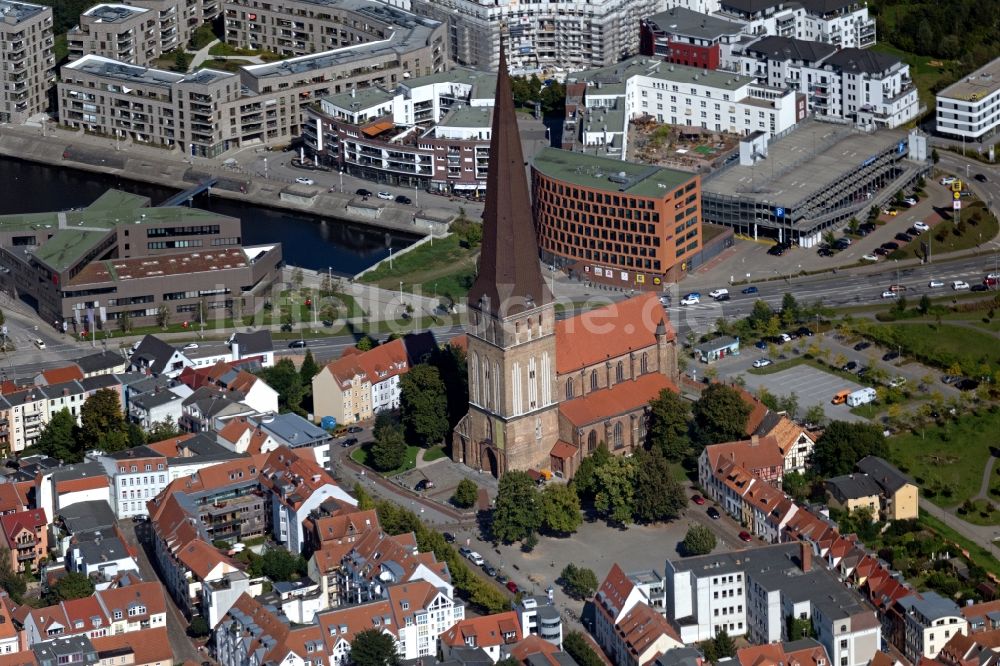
{"points": [[341, 181], [416, 195], [390, 258], [265, 168]]}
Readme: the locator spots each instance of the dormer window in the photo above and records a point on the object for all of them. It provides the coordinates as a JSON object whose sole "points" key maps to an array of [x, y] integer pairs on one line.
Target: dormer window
{"points": [[118, 614]]}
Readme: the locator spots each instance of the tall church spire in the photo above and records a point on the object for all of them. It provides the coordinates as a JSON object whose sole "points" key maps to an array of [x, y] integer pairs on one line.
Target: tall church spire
{"points": [[509, 279]]}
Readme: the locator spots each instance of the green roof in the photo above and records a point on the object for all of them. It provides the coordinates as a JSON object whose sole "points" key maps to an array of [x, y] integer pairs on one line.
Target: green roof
{"points": [[76, 232], [642, 180]]}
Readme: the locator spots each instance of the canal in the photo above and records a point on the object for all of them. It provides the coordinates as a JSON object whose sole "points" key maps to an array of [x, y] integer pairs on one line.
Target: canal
{"points": [[309, 241]]}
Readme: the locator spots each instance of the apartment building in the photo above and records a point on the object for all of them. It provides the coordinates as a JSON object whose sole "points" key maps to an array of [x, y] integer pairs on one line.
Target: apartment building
{"points": [[138, 475], [970, 109], [27, 63], [690, 37], [842, 23], [626, 626], [120, 256], [493, 634], [120, 32], [542, 35], [930, 621], [358, 385], [868, 88], [677, 95], [431, 132], [25, 536], [176, 20]]}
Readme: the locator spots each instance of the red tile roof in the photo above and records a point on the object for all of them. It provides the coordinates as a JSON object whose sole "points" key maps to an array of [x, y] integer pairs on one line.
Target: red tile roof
{"points": [[201, 558], [66, 373], [564, 450], [613, 592], [148, 646], [23, 658], [758, 410], [10, 499], [81, 484], [751, 454], [642, 626], [621, 398], [610, 331], [31, 520], [375, 366], [486, 631], [168, 447]]}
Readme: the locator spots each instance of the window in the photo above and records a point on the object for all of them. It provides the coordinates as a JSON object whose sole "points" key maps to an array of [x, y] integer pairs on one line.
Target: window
{"points": [[620, 372], [593, 380], [569, 389], [592, 441], [644, 363], [617, 437]]}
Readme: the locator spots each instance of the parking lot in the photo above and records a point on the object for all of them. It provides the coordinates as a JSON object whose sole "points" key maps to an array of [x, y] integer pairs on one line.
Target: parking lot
{"points": [[811, 386]]}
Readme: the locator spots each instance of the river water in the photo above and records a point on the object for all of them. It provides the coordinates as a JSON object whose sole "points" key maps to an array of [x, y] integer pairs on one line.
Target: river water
{"points": [[308, 241]]}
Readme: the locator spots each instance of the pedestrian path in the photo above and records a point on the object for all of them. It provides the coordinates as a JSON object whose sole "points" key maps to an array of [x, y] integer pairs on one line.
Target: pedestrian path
{"points": [[202, 54]]}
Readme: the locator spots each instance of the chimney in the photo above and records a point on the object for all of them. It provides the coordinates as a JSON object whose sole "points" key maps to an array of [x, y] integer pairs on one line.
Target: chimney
{"points": [[754, 440], [805, 556]]}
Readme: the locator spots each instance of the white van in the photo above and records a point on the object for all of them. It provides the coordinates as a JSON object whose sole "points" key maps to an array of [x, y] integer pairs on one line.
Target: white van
{"points": [[717, 293], [861, 397], [948, 180]]}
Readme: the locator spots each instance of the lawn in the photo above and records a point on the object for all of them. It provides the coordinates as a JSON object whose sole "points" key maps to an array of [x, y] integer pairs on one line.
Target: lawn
{"points": [[940, 346], [947, 461], [924, 74], [360, 456], [225, 65], [979, 555], [441, 267], [435, 453], [949, 237]]}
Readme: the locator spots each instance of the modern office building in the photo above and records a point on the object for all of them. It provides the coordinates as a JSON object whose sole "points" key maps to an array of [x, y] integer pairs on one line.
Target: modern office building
{"points": [[27, 64], [816, 177], [120, 257], [868, 88], [540, 35], [120, 32], [687, 37], [970, 109], [208, 112], [599, 217], [663, 92]]}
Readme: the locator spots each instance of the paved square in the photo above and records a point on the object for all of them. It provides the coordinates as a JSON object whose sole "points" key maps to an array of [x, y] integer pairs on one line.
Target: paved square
{"points": [[812, 387]]}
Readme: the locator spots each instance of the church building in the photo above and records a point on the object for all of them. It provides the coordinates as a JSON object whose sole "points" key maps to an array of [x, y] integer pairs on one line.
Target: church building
{"points": [[545, 393]]}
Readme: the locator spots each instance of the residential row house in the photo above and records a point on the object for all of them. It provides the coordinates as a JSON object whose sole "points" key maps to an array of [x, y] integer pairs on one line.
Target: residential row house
{"points": [[630, 631], [358, 385]]}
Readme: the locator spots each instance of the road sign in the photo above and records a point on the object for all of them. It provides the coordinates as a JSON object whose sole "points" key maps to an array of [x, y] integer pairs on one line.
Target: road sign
{"points": [[956, 204], [956, 186], [956, 195], [779, 212]]}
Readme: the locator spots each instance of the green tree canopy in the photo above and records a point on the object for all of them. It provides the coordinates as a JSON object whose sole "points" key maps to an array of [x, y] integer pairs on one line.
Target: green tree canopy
{"points": [[843, 444], [577, 647], [669, 417], [517, 511], [720, 415], [73, 585], [658, 495], [388, 451], [198, 628], [579, 582], [789, 310], [718, 648], [585, 479], [284, 378], [423, 405], [280, 565], [466, 494], [760, 315], [560, 509], [162, 430], [453, 367], [102, 423], [615, 498], [699, 540], [372, 647], [59, 438], [309, 369]]}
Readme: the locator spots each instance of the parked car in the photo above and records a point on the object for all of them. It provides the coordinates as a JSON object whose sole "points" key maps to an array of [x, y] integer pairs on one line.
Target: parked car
{"points": [[935, 284], [713, 513], [363, 192], [489, 570], [903, 238], [355, 428], [891, 246], [501, 578], [949, 379], [762, 362], [463, 551], [750, 290], [297, 344], [40, 343], [760, 344], [302, 180], [948, 180], [387, 196], [423, 484], [980, 287], [897, 382], [804, 332], [966, 384], [910, 201], [191, 345], [870, 257], [890, 356], [922, 226], [349, 442], [512, 586], [913, 231], [745, 536], [960, 285], [698, 499], [861, 346], [778, 249], [401, 199], [475, 558], [980, 177], [891, 212], [824, 252], [850, 366], [448, 537], [784, 337], [880, 252], [691, 299]]}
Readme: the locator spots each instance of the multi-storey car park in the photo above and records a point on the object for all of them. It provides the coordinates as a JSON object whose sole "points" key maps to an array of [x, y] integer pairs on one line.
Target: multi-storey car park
{"points": [[814, 178], [209, 112], [119, 255], [970, 109], [27, 64]]}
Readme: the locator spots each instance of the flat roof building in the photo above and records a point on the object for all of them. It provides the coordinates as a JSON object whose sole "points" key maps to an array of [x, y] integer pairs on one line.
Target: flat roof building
{"points": [[27, 63], [970, 108], [120, 32]]}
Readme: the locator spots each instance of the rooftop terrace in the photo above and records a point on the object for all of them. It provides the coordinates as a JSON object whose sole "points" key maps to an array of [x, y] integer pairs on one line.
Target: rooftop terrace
{"points": [[608, 174]]}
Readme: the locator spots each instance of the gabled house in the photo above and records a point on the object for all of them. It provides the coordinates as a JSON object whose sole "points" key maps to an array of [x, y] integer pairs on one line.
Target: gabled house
{"points": [[626, 626], [494, 634], [377, 561], [153, 356], [103, 363], [358, 385], [256, 345], [25, 535]]}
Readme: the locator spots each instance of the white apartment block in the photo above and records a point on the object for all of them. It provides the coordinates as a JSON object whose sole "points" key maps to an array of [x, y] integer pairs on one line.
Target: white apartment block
{"points": [[930, 621], [841, 23], [752, 593], [970, 109], [119, 32], [27, 65], [548, 34], [678, 95], [137, 475], [865, 87]]}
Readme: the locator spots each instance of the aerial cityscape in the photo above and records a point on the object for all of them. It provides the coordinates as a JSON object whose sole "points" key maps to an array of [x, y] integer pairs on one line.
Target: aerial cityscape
{"points": [[414, 332]]}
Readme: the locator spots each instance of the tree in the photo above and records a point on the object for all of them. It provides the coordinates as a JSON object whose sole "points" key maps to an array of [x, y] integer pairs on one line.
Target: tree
{"points": [[162, 316], [74, 585], [284, 378], [720, 415], [934, 156], [760, 315], [465, 494], [59, 438], [198, 628], [365, 501], [280, 565], [699, 540], [853, 225], [452, 365], [719, 648], [102, 424], [298, 277], [615, 498], [423, 405], [388, 451], [309, 369], [328, 287], [516, 513], [162, 430], [789, 310], [789, 404], [924, 305], [843, 444], [372, 647], [560, 507], [12, 582], [658, 495], [577, 647], [125, 322], [181, 60], [668, 425], [579, 582], [366, 343], [585, 479]]}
